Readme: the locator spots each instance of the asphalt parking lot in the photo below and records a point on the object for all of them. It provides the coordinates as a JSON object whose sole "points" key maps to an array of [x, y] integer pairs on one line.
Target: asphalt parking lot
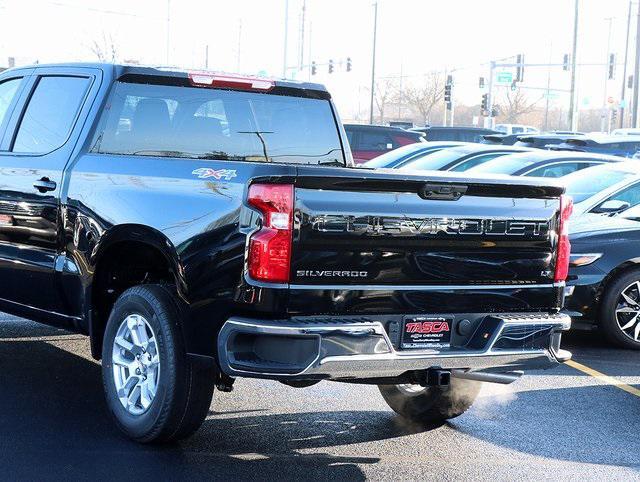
{"points": [[560, 424]]}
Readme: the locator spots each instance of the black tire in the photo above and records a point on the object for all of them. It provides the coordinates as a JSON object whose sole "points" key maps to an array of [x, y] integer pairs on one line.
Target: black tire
{"points": [[184, 389], [610, 300], [431, 405]]}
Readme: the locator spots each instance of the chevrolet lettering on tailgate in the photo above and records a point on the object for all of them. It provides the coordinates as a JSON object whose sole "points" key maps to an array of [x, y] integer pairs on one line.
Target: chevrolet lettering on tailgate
{"points": [[387, 225]]}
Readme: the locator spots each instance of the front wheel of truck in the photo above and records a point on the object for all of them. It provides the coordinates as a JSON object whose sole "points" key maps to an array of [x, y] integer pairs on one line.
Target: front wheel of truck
{"points": [[431, 405], [153, 390]]}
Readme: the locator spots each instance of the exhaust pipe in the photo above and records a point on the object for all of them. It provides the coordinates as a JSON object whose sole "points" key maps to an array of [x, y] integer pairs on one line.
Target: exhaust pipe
{"points": [[503, 378]]}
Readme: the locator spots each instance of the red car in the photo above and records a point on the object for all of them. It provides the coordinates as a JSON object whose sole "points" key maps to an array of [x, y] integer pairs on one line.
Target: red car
{"points": [[369, 141]]}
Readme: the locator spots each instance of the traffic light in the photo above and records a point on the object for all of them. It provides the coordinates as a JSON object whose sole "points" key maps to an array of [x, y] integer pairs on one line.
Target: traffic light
{"points": [[348, 64], [313, 68], [630, 82], [447, 92], [330, 66], [520, 68], [614, 115], [481, 83], [484, 106], [565, 62], [612, 66]]}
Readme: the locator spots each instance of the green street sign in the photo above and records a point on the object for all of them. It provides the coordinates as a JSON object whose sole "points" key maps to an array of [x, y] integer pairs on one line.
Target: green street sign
{"points": [[504, 77]]}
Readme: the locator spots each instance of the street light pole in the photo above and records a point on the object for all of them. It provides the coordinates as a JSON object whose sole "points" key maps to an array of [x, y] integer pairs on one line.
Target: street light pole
{"points": [[604, 115], [373, 60], [573, 120], [636, 73], [624, 69]]}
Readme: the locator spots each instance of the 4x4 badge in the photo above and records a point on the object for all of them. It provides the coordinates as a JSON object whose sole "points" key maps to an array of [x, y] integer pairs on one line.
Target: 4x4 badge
{"points": [[207, 172]]}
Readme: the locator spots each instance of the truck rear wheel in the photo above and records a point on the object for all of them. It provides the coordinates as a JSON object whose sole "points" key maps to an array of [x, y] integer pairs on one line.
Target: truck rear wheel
{"points": [[431, 404], [154, 392]]}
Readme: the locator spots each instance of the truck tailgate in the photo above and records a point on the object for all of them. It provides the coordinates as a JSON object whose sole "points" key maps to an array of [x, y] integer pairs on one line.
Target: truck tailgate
{"points": [[393, 231]]}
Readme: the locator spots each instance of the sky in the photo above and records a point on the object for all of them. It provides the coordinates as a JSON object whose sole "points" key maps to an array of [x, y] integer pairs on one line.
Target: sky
{"points": [[414, 37]]}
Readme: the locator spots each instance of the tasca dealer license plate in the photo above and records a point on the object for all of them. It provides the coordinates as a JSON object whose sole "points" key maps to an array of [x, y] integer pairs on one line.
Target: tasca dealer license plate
{"points": [[426, 332]]}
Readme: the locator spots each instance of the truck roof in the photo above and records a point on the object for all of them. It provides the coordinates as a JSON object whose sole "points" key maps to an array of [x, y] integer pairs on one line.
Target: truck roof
{"points": [[120, 70]]}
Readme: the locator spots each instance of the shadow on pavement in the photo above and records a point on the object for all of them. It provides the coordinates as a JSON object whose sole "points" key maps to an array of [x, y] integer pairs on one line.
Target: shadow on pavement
{"points": [[54, 424]]}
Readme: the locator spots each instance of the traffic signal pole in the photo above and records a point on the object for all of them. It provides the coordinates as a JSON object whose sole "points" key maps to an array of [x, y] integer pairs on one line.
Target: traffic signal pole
{"points": [[488, 121]]}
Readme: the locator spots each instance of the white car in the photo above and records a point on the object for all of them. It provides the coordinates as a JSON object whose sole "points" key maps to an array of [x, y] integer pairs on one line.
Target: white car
{"points": [[516, 129], [606, 189], [625, 132]]}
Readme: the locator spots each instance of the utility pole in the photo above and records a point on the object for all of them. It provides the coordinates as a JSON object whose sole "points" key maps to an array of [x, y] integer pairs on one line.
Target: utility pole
{"points": [[636, 74], [546, 107], [206, 57], [400, 90], [302, 20], [373, 60], [605, 109], [168, 28], [624, 69], [239, 45], [573, 118], [286, 38]]}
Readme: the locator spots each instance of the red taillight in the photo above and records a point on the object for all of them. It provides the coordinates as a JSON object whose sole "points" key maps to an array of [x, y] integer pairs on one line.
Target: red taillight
{"points": [[564, 247], [229, 81], [269, 257]]}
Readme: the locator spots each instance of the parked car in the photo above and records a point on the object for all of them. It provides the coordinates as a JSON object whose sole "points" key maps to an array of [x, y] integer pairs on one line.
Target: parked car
{"points": [[541, 163], [516, 129], [543, 141], [625, 146], [603, 287], [404, 154], [460, 158], [402, 124], [368, 142], [194, 249], [456, 133], [626, 132], [500, 139], [605, 189]]}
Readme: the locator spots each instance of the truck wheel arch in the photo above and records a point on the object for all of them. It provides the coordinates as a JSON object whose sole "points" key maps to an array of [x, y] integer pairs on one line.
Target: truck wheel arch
{"points": [[125, 256]]}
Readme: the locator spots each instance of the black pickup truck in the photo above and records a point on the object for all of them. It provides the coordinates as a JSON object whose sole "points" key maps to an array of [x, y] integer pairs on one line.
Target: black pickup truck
{"points": [[201, 227]]}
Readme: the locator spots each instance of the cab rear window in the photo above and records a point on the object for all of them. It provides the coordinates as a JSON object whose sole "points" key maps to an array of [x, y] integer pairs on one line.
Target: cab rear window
{"points": [[204, 123]]}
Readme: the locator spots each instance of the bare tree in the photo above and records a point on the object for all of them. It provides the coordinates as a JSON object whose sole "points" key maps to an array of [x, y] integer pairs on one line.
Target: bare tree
{"points": [[516, 104], [104, 50], [424, 96], [386, 92]]}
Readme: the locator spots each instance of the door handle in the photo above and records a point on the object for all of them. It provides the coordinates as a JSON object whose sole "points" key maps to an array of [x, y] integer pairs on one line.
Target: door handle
{"points": [[45, 184]]}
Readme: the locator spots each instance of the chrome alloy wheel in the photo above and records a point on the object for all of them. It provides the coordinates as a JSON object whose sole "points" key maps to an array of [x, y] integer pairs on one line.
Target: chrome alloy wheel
{"points": [[628, 311], [136, 364]]}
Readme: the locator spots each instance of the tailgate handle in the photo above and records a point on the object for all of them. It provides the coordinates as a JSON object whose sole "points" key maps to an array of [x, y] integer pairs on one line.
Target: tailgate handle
{"points": [[442, 192]]}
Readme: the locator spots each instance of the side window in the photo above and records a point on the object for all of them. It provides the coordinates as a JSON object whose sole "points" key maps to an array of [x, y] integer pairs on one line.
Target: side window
{"points": [[351, 136], [630, 195], [8, 90], [374, 141], [557, 170], [50, 114], [517, 130], [474, 161]]}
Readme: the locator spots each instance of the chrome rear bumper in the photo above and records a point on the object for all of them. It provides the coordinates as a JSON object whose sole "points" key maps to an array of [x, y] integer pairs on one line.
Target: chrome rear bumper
{"points": [[331, 349]]}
